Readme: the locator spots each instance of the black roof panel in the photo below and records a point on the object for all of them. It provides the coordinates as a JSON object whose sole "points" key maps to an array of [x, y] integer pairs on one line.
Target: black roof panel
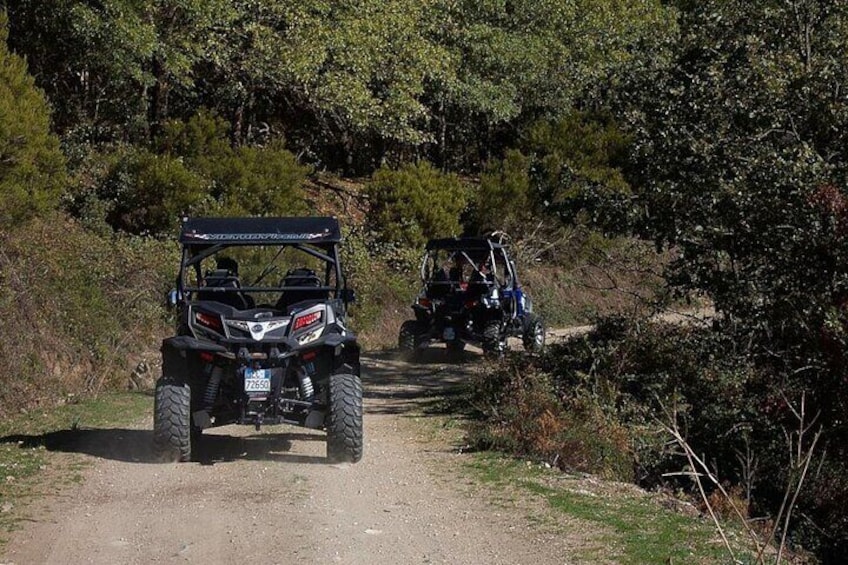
{"points": [[269, 231], [463, 243]]}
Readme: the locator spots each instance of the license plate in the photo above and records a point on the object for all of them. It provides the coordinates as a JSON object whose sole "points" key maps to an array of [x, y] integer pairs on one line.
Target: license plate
{"points": [[449, 334], [257, 380]]}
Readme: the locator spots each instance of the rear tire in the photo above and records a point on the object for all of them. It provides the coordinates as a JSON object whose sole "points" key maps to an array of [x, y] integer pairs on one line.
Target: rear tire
{"points": [[408, 336], [492, 342], [455, 349], [344, 419], [534, 334], [172, 433]]}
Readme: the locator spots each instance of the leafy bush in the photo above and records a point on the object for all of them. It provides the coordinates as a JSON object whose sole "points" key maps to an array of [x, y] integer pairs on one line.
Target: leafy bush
{"points": [[561, 169], [641, 372], [601, 403], [253, 180], [148, 193], [261, 181], [503, 201], [384, 279], [32, 168], [588, 147], [195, 171], [414, 203], [636, 377], [85, 196], [132, 190], [202, 140]]}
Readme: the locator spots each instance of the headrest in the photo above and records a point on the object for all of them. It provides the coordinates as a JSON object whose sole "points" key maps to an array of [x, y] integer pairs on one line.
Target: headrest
{"points": [[219, 274]]}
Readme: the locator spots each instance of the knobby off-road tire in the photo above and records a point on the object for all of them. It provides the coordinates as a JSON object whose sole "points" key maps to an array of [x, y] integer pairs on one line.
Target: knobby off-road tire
{"points": [[492, 344], [534, 334], [408, 335], [344, 419], [172, 434], [409, 338]]}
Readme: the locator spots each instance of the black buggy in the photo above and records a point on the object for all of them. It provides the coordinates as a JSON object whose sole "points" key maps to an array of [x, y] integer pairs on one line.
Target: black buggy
{"points": [[268, 345], [470, 294]]}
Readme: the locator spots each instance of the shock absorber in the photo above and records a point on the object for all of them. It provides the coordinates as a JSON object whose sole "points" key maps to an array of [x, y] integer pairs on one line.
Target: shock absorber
{"points": [[212, 386], [306, 389]]}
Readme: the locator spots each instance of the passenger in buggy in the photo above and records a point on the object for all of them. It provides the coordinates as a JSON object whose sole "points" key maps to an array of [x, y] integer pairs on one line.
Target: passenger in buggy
{"points": [[456, 272]]}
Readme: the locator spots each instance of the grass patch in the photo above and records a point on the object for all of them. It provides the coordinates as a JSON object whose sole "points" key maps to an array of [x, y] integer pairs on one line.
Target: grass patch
{"points": [[28, 470], [108, 409], [627, 527]]}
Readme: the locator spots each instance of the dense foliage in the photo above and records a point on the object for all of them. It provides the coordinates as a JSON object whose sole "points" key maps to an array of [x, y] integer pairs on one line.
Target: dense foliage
{"points": [[31, 165], [415, 203], [192, 169], [349, 84]]}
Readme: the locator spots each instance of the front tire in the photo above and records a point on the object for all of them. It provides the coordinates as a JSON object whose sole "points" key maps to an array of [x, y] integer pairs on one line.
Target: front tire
{"points": [[172, 434], [534, 334], [344, 419], [492, 343]]}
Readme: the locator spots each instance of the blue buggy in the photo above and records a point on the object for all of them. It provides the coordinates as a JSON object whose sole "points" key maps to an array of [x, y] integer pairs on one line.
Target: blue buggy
{"points": [[471, 294]]}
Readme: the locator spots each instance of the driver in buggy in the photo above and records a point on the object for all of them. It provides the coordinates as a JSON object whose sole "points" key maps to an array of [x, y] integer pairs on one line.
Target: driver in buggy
{"points": [[481, 279], [456, 272]]}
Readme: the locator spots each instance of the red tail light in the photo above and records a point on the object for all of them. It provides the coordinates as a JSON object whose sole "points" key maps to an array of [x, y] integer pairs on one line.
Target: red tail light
{"points": [[209, 320], [206, 357], [425, 302], [307, 320]]}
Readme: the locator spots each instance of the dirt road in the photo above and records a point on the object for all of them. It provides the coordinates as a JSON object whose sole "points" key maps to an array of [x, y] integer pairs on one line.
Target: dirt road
{"points": [[271, 497]]}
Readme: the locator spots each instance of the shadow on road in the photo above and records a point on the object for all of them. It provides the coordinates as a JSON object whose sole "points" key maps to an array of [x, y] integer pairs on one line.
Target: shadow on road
{"points": [[431, 385], [135, 446]]}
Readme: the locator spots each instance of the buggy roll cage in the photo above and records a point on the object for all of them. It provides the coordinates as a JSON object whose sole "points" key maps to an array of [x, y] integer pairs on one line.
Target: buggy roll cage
{"points": [[463, 245], [319, 237]]}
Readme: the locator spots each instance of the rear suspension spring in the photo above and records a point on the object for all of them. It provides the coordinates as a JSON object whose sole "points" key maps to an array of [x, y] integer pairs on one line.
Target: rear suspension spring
{"points": [[211, 392]]}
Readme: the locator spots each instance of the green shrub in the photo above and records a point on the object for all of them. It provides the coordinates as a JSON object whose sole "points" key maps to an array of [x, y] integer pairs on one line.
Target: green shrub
{"points": [[260, 181], [600, 403], [589, 147], [735, 411], [148, 193], [194, 171], [86, 197], [503, 201], [414, 203], [640, 372], [202, 140], [32, 168], [384, 277], [246, 180]]}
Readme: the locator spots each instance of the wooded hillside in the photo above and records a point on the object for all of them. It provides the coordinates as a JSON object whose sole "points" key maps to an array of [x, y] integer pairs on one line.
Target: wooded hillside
{"points": [[713, 132]]}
